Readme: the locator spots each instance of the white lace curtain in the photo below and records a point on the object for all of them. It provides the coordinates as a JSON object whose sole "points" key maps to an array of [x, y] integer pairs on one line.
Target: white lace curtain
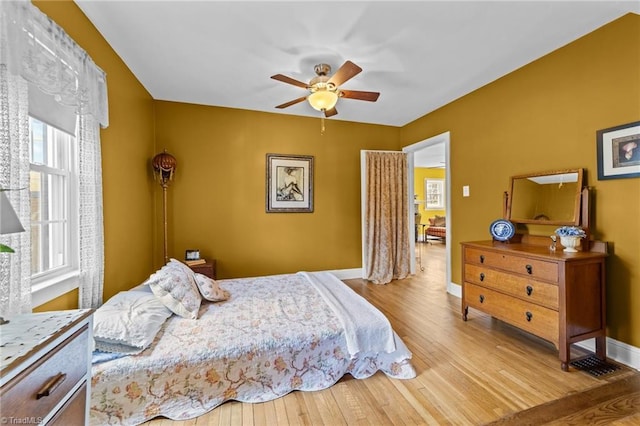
{"points": [[15, 269], [387, 246], [36, 52]]}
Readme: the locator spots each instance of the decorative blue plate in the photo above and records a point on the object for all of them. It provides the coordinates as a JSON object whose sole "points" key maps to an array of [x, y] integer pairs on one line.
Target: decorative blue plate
{"points": [[502, 230]]}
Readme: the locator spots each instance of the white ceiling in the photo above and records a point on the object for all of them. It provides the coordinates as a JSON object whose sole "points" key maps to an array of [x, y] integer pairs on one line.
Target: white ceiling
{"points": [[420, 55], [432, 156]]}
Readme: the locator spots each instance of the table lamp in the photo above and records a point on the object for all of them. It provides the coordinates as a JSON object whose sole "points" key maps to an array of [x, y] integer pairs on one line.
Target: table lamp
{"points": [[9, 222]]}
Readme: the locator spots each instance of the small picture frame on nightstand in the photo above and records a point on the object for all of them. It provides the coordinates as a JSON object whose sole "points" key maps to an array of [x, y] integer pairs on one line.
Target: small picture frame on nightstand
{"points": [[193, 254]]}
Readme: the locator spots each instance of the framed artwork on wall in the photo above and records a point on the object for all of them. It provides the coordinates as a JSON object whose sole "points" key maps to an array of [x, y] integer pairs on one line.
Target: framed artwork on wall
{"points": [[619, 151], [434, 194], [289, 183]]}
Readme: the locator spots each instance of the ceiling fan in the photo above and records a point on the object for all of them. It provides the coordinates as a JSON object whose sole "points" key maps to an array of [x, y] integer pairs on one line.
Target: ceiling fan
{"points": [[324, 91]]}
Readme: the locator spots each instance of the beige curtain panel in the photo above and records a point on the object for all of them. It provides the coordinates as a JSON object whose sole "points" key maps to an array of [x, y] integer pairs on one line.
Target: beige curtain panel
{"points": [[387, 251]]}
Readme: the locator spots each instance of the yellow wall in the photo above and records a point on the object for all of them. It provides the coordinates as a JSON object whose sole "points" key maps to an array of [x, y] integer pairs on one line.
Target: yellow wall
{"points": [[419, 175], [127, 146], [542, 117], [217, 201]]}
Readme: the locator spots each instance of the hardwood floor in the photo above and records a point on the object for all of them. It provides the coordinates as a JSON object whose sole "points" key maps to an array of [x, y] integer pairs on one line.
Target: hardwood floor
{"points": [[468, 373], [616, 402]]}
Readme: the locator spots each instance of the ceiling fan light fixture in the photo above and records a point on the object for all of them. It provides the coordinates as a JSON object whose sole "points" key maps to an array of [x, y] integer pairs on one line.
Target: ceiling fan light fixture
{"points": [[323, 100], [324, 90]]}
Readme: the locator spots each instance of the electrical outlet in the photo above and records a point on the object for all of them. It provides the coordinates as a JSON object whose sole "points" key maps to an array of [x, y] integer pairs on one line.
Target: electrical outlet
{"points": [[465, 191]]}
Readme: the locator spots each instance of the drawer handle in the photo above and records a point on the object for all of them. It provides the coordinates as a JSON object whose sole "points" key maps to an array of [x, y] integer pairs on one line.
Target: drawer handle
{"points": [[481, 298], [482, 258], [529, 316], [529, 269], [51, 385], [529, 290], [481, 276]]}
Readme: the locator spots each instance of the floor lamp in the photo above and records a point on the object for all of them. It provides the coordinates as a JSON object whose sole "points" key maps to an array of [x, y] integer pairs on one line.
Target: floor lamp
{"points": [[164, 166]]}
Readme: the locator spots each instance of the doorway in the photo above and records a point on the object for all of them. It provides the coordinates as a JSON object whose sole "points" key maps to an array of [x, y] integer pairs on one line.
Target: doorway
{"points": [[434, 152]]}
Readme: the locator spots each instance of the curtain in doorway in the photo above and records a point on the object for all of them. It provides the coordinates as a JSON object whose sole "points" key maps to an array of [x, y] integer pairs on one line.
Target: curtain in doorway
{"points": [[387, 251]]}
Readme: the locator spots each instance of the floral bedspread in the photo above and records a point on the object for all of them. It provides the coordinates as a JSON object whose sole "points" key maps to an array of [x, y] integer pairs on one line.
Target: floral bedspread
{"points": [[274, 335]]}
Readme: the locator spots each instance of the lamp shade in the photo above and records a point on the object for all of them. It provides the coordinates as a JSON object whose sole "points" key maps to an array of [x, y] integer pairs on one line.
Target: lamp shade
{"points": [[164, 165], [9, 222], [323, 100]]}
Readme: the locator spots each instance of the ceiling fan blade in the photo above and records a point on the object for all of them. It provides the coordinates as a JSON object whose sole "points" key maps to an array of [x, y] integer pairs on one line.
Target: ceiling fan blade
{"points": [[285, 79], [360, 95], [330, 112], [293, 102], [344, 73]]}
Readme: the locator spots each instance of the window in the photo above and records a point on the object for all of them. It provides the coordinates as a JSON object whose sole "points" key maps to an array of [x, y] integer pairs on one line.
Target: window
{"points": [[434, 194], [66, 91], [53, 198]]}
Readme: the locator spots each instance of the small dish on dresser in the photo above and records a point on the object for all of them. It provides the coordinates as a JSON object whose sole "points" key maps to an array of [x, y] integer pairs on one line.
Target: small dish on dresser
{"points": [[502, 230]]}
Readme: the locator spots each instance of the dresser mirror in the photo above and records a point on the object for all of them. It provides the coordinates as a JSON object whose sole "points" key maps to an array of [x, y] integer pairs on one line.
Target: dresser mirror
{"points": [[550, 198]]}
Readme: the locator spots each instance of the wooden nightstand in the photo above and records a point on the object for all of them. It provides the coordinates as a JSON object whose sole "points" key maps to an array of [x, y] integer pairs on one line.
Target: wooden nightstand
{"points": [[45, 375], [208, 268]]}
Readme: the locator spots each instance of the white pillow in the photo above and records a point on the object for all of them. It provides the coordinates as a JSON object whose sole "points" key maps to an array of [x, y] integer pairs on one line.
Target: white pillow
{"points": [[128, 322], [174, 284], [209, 289]]}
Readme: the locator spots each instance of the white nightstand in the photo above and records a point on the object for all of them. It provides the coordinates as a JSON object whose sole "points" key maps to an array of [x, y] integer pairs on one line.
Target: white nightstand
{"points": [[45, 367]]}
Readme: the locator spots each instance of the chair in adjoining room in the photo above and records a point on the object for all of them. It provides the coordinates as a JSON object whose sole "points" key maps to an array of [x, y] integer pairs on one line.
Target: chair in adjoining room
{"points": [[437, 229]]}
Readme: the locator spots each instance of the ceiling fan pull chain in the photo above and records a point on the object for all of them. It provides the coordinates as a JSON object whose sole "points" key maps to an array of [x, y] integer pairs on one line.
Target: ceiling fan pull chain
{"points": [[322, 125]]}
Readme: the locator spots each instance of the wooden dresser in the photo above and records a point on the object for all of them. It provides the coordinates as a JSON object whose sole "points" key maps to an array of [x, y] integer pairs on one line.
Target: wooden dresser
{"points": [[45, 374], [557, 296]]}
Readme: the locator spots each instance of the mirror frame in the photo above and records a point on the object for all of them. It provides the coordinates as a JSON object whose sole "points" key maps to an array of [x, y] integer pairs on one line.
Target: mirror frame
{"points": [[576, 207]]}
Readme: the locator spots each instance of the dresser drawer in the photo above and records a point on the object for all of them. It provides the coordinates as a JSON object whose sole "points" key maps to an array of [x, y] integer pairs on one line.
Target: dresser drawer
{"points": [[521, 287], [538, 269], [39, 388], [73, 410], [530, 317]]}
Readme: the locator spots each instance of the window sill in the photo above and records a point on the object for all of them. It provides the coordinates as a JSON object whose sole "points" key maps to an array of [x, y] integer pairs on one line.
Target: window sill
{"points": [[47, 290]]}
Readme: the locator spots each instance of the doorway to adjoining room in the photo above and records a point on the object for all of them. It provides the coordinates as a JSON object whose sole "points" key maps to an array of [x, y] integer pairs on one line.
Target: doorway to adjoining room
{"points": [[430, 198]]}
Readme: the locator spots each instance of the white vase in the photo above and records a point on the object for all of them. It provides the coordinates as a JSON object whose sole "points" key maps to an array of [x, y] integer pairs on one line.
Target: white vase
{"points": [[570, 243]]}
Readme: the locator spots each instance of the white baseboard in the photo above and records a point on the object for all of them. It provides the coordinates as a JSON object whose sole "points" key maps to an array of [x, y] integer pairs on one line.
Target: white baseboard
{"points": [[347, 274], [455, 289], [617, 351]]}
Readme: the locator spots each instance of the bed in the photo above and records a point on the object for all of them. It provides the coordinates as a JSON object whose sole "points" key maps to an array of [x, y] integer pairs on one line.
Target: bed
{"points": [[271, 336]]}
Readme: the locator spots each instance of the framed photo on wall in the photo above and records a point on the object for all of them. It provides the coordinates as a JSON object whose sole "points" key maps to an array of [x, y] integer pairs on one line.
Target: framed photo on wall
{"points": [[619, 151], [289, 183]]}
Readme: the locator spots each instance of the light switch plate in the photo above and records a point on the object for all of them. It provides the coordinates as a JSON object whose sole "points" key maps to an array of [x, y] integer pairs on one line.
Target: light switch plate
{"points": [[465, 191]]}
